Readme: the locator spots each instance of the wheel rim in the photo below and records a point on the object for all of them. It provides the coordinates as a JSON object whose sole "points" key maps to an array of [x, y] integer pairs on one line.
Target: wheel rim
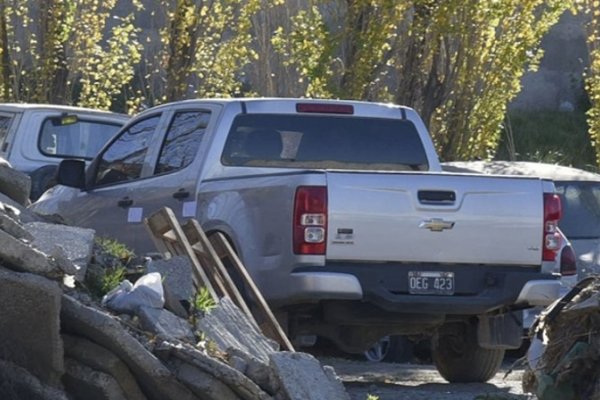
{"points": [[379, 350]]}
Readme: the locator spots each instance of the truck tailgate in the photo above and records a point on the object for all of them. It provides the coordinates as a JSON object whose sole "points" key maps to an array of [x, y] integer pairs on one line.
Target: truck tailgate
{"points": [[428, 217]]}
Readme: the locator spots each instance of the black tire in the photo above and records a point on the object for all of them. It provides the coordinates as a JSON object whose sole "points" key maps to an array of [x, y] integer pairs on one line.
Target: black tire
{"points": [[390, 349], [42, 179], [461, 359]]}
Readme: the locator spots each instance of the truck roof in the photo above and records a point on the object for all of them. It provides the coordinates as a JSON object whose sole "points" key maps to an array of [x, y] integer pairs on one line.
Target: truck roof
{"points": [[20, 107], [282, 100]]}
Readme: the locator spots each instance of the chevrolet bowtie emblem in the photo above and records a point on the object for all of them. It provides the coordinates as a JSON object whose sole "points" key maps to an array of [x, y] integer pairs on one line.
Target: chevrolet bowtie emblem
{"points": [[436, 224]]}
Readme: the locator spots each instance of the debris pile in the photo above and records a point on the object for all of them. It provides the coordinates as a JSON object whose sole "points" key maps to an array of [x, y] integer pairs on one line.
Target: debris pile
{"points": [[564, 357], [58, 342]]}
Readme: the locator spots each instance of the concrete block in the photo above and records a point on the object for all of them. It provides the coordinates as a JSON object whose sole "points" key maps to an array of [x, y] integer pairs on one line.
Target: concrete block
{"points": [[85, 383], [177, 274], [229, 327], [75, 243], [204, 385], [30, 334], [10, 225], [182, 355], [18, 211], [18, 383], [100, 359], [302, 377], [155, 380], [162, 322], [15, 184], [19, 256]]}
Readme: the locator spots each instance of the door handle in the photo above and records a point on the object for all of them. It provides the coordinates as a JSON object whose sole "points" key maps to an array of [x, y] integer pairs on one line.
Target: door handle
{"points": [[125, 202], [181, 194]]}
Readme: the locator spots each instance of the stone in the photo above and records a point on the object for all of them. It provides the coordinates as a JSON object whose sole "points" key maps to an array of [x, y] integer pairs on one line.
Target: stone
{"points": [[204, 385], [75, 244], [155, 380], [258, 371], [18, 383], [177, 273], [82, 383], [16, 210], [162, 322], [11, 226], [302, 377], [100, 359], [30, 325], [174, 353], [19, 256], [15, 184], [229, 327]]}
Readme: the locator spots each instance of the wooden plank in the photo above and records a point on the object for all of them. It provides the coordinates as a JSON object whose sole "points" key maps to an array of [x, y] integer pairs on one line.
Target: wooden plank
{"points": [[163, 219], [196, 235], [249, 282]]}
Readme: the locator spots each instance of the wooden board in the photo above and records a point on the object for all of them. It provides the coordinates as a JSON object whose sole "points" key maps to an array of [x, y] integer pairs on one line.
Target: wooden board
{"points": [[209, 255]]}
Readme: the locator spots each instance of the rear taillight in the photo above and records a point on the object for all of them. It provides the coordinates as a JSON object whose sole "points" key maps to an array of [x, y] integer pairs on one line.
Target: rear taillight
{"points": [[568, 261], [552, 239], [310, 220]]}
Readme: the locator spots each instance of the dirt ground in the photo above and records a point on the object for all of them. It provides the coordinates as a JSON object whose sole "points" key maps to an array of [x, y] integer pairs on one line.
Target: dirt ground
{"points": [[420, 382]]}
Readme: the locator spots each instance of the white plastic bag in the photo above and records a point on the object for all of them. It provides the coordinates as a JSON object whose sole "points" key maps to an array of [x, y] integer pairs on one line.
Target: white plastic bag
{"points": [[147, 291]]}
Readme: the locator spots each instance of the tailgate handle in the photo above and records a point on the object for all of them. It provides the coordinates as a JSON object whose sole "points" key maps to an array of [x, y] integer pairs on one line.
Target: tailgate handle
{"points": [[439, 197]]}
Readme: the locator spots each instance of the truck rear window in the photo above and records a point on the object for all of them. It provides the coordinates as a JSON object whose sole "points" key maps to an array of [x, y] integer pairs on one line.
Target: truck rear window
{"points": [[324, 142]]}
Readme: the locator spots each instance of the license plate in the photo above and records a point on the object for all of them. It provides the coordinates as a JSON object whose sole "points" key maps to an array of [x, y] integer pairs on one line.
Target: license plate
{"points": [[431, 282]]}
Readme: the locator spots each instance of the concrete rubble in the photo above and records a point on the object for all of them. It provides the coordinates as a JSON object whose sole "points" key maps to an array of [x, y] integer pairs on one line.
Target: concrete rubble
{"points": [[564, 357], [57, 342]]}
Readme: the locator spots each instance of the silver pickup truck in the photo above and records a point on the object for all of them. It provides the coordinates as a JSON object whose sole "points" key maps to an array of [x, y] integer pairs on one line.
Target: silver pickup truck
{"points": [[341, 213]]}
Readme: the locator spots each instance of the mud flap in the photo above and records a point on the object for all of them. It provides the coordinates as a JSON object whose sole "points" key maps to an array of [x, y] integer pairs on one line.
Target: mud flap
{"points": [[502, 331]]}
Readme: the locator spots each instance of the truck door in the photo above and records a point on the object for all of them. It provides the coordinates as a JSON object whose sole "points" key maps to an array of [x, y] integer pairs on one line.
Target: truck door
{"points": [[173, 177], [107, 205]]}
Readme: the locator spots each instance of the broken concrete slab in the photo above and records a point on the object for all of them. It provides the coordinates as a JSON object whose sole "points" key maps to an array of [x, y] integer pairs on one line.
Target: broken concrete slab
{"points": [[173, 353], [253, 368], [18, 211], [10, 225], [302, 377], [83, 383], [75, 243], [101, 359], [204, 385], [15, 184], [19, 256], [30, 334], [18, 383], [162, 322], [229, 327], [155, 380], [177, 273]]}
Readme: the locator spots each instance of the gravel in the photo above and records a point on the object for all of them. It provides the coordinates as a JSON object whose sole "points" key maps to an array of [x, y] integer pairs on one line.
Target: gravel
{"points": [[391, 381]]}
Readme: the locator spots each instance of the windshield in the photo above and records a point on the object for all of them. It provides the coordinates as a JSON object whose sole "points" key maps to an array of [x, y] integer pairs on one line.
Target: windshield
{"points": [[581, 209], [324, 142]]}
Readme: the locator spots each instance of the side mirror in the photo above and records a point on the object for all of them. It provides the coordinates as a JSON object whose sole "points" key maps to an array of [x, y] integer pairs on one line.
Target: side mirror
{"points": [[71, 173]]}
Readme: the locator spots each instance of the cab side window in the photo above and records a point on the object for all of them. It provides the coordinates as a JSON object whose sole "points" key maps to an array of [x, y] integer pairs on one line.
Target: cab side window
{"points": [[124, 159], [182, 141]]}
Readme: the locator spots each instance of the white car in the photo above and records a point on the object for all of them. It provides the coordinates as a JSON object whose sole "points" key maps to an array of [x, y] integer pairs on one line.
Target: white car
{"points": [[579, 192]]}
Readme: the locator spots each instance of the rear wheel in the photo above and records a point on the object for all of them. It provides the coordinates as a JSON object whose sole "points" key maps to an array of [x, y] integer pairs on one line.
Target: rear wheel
{"points": [[458, 358]]}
